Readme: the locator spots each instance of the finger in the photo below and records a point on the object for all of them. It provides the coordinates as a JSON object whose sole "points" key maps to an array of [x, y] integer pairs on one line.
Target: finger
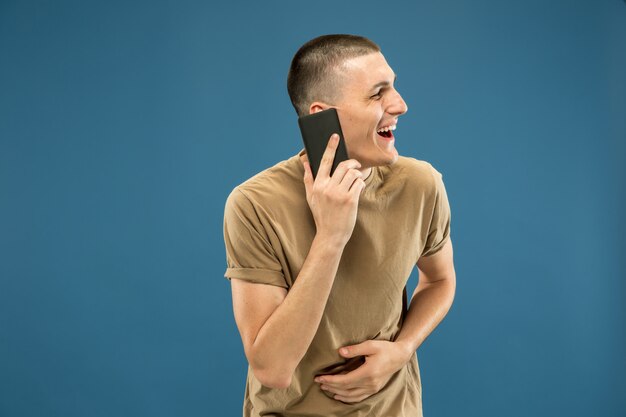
{"points": [[342, 169], [308, 177], [328, 157], [357, 187], [349, 179], [304, 158], [346, 399], [353, 392], [345, 381], [369, 347]]}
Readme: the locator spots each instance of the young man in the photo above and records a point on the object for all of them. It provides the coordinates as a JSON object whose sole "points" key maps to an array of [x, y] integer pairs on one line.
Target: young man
{"points": [[319, 266]]}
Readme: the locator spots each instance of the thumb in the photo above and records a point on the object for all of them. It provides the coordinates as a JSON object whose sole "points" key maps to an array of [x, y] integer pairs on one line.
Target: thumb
{"points": [[362, 349]]}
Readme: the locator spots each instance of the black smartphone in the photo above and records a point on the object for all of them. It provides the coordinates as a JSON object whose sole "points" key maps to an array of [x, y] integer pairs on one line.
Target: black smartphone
{"points": [[316, 129]]}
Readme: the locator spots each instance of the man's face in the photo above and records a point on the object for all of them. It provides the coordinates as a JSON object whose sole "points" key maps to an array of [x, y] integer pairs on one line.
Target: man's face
{"points": [[368, 103]]}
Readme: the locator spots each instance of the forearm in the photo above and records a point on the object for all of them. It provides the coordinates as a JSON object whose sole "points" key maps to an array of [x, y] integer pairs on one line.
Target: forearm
{"points": [[285, 337], [428, 307]]}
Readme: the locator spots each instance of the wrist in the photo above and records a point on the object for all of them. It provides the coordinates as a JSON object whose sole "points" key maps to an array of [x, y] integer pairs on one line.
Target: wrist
{"points": [[406, 348], [330, 241]]}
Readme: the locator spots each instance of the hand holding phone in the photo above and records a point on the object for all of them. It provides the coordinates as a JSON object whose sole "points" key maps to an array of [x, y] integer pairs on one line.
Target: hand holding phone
{"points": [[333, 199], [316, 129]]}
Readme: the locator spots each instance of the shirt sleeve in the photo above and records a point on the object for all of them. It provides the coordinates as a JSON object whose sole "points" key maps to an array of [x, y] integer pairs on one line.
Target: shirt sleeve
{"points": [[249, 253], [439, 230]]}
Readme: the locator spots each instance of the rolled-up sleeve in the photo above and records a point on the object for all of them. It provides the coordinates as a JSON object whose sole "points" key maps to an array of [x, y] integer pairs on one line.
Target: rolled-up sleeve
{"points": [[249, 254], [439, 229]]}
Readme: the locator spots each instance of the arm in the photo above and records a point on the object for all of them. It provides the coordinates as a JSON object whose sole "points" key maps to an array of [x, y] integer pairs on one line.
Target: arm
{"points": [[431, 300], [277, 326], [430, 303]]}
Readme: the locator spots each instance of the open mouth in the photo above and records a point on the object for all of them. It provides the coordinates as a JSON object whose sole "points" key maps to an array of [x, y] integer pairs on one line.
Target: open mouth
{"points": [[386, 132]]}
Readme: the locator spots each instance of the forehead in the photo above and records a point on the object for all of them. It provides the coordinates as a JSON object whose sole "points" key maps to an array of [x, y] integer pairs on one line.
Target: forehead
{"points": [[365, 71]]}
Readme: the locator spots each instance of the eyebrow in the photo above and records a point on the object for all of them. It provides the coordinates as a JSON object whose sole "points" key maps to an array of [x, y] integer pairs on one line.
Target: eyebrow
{"points": [[383, 83]]}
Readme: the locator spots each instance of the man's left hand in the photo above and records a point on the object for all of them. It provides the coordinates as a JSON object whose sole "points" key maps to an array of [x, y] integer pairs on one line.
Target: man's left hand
{"points": [[382, 360]]}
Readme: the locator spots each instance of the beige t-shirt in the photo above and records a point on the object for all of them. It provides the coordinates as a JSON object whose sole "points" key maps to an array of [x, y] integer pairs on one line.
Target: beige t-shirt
{"points": [[403, 214]]}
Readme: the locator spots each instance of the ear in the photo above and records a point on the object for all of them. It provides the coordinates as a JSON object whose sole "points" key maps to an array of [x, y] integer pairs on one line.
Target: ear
{"points": [[318, 106]]}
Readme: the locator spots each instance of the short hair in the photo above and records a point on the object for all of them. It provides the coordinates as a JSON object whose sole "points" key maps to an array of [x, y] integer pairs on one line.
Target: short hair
{"points": [[313, 72]]}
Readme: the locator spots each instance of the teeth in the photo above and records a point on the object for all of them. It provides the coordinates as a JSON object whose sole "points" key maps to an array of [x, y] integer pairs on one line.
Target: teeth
{"points": [[388, 128]]}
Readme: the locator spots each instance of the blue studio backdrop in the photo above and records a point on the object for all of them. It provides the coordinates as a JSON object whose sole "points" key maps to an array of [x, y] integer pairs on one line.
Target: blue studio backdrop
{"points": [[125, 125]]}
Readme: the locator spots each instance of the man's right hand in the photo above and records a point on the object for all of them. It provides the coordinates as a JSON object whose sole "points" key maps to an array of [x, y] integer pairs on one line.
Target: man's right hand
{"points": [[334, 200]]}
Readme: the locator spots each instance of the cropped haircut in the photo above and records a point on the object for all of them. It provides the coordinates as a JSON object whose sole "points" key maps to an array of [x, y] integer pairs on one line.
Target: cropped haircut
{"points": [[313, 74]]}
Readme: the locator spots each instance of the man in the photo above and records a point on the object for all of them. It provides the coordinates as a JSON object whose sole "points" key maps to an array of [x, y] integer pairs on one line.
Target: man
{"points": [[319, 266]]}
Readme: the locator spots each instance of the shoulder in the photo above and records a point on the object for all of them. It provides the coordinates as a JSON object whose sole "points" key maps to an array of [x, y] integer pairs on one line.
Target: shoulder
{"points": [[271, 186], [415, 173], [416, 166]]}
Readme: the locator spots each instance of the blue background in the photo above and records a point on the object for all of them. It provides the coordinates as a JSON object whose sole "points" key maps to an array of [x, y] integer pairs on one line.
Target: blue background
{"points": [[124, 126]]}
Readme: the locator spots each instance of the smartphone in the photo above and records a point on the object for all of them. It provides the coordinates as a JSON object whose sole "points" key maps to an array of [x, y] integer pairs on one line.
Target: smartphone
{"points": [[316, 129]]}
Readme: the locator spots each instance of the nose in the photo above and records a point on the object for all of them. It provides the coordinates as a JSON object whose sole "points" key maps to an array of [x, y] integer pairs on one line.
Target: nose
{"points": [[397, 105]]}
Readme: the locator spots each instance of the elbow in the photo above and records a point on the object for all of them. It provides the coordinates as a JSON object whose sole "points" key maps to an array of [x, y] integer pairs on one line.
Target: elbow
{"points": [[450, 282], [271, 375], [273, 379]]}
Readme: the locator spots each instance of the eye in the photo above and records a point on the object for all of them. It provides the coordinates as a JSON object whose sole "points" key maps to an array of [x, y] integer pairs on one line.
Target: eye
{"points": [[377, 95]]}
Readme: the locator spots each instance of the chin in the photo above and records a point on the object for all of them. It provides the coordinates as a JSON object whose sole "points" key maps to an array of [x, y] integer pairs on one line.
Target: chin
{"points": [[390, 159], [394, 158]]}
